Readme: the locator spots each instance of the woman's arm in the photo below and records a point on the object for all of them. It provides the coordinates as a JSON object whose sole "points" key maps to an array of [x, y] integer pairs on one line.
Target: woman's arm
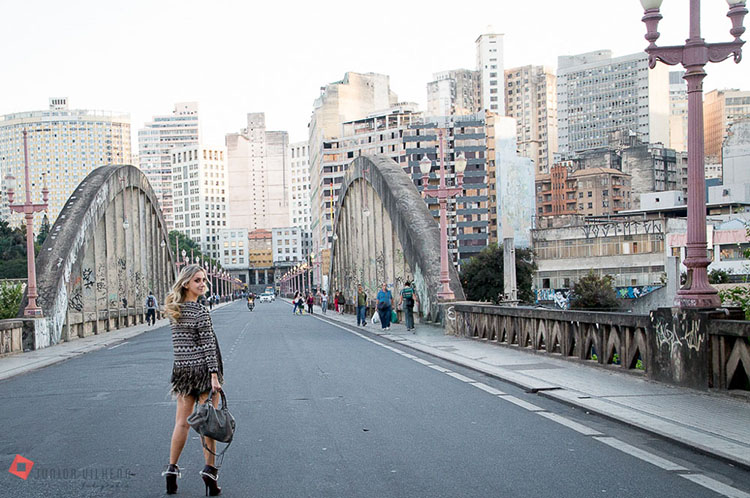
{"points": [[207, 341]]}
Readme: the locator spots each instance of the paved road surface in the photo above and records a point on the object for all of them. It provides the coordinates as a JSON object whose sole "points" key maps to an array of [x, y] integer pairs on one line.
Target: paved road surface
{"points": [[323, 411]]}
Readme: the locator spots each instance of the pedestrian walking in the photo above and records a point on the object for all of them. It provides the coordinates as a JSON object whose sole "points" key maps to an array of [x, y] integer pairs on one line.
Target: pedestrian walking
{"points": [[361, 306], [385, 307], [197, 370], [310, 302], [324, 302], [342, 302], [336, 302], [300, 304], [294, 302], [408, 299], [151, 306]]}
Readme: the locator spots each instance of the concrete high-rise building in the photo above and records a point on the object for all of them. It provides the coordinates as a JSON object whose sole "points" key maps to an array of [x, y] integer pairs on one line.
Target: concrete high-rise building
{"points": [[379, 133], [199, 191], [259, 183], [64, 146], [598, 95], [470, 214], [721, 108], [155, 143], [531, 98], [299, 195], [286, 244], [490, 66], [354, 97], [678, 104], [233, 246], [455, 92]]}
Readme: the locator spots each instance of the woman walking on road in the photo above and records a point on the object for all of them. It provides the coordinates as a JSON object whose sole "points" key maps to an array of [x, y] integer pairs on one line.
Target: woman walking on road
{"points": [[385, 307], [197, 369]]}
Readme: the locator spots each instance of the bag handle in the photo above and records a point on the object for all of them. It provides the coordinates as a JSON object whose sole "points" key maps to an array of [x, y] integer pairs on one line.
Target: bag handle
{"points": [[203, 438]]}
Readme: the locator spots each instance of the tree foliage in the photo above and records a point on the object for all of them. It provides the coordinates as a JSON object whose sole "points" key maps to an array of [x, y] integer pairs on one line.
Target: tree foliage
{"points": [[593, 292], [10, 299], [12, 251], [482, 276], [190, 247]]}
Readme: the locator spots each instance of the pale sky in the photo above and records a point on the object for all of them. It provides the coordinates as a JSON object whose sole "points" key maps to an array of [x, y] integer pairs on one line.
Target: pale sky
{"points": [[235, 57]]}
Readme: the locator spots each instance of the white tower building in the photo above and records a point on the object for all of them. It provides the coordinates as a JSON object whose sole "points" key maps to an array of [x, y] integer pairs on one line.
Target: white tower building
{"points": [[155, 142], [299, 195], [199, 188], [490, 65]]}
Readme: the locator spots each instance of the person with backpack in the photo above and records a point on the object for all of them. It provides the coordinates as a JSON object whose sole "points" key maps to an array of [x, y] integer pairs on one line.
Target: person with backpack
{"points": [[408, 299], [151, 306], [342, 302]]}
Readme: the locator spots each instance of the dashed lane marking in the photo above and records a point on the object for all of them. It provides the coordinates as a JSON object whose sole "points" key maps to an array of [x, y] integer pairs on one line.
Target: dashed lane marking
{"points": [[586, 431], [118, 345], [460, 377], [640, 454], [489, 389], [716, 486], [523, 404]]}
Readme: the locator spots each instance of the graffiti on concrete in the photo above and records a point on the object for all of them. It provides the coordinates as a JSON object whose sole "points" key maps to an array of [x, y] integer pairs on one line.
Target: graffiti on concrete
{"points": [[693, 337], [88, 278], [559, 297], [614, 228], [76, 301], [636, 291], [665, 335]]}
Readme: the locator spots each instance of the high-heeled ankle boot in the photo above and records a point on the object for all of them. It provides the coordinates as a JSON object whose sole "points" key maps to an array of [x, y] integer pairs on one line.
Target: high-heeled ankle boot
{"points": [[172, 473], [210, 477]]}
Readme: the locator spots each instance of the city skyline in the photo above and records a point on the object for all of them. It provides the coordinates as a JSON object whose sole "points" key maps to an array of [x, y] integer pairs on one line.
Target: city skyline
{"points": [[197, 49]]}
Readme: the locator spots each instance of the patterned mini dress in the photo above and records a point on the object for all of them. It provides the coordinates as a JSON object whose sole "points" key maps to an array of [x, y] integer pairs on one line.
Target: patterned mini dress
{"points": [[196, 351]]}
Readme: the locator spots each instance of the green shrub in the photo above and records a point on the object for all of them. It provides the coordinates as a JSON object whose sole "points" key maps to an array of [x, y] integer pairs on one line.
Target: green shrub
{"points": [[10, 300], [593, 292]]}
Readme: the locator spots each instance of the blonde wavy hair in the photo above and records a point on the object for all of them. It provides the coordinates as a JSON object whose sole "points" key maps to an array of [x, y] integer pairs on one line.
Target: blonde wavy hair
{"points": [[179, 290]]}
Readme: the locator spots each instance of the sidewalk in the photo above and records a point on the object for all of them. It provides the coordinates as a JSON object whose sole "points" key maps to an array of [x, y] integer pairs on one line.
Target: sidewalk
{"points": [[712, 423], [21, 363]]}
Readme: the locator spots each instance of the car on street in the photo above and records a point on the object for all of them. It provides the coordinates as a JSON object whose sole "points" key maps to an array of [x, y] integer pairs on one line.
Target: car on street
{"points": [[266, 298]]}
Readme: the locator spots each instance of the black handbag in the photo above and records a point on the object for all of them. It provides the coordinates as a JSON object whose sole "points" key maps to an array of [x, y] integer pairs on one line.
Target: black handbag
{"points": [[215, 423]]}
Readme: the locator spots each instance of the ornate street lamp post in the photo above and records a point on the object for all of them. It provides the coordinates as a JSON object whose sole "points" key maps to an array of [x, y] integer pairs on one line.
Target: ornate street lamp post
{"points": [[443, 193], [695, 54], [28, 208]]}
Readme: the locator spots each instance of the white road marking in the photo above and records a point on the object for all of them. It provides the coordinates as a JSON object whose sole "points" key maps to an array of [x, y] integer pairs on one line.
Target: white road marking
{"points": [[716, 486], [523, 404], [489, 389], [118, 345], [586, 431], [423, 362], [460, 377], [640, 454], [439, 368]]}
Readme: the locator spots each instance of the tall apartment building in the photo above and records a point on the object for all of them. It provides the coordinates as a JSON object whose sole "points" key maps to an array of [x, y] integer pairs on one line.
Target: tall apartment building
{"points": [[490, 66], [598, 95], [155, 143], [299, 195], [199, 190], [531, 98], [379, 133], [454, 92], [64, 146], [470, 214], [678, 104], [595, 191], [356, 96], [258, 165], [286, 244], [721, 108]]}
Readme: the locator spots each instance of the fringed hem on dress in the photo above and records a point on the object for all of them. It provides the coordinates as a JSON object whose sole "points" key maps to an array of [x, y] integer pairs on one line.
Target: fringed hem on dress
{"points": [[188, 381]]}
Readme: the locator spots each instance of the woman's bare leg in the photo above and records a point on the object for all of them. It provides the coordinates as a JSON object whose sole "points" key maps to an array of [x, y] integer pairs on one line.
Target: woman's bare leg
{"points": [[210, 459], [181, 428]]}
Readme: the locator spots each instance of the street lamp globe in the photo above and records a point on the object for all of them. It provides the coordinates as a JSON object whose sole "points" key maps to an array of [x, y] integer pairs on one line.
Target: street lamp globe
{"points": [[732, 3], [125, 224], [425, 165], [163, 243], [651, 4], [460, 163]]}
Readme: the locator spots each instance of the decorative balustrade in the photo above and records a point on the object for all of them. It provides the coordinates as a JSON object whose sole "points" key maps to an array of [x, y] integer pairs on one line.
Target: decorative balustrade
{"points": [[603, 338], [729, 354]]}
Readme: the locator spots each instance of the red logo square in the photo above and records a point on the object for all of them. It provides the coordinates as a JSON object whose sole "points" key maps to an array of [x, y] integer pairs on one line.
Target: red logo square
{"points": [[21, 467]]}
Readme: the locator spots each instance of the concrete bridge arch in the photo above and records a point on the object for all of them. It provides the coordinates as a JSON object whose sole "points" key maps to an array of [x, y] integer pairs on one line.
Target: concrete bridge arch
{"points": [[92, 260], [383, 232]]}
